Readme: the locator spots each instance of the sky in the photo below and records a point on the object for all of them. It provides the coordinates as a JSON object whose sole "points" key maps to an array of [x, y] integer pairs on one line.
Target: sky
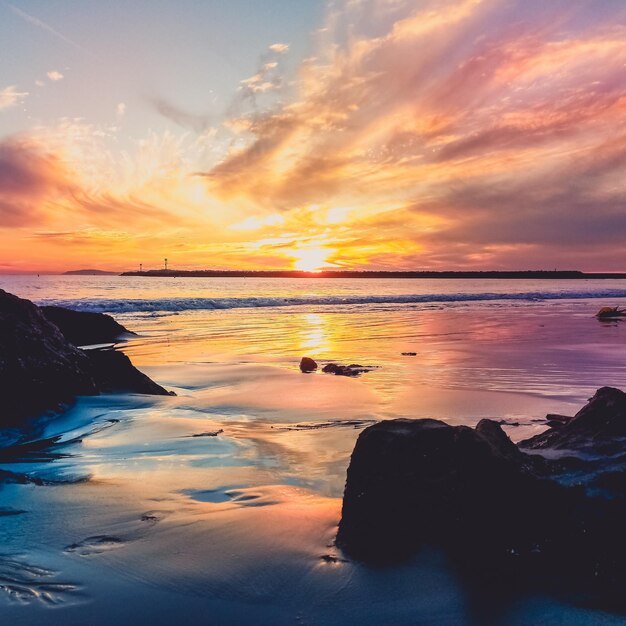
{"points": [[281, 134]]}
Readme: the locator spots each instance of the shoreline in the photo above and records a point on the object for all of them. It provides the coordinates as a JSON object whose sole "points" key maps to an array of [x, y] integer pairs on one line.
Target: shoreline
{"points": [[236, 482], [463, 275]]}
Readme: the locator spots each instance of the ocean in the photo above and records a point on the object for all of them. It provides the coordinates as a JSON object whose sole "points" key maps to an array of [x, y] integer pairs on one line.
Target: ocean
{"points": [[221, 503]]}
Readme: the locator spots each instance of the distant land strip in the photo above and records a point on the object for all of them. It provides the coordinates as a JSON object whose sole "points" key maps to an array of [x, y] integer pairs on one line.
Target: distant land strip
{"points": [[540, 274]]}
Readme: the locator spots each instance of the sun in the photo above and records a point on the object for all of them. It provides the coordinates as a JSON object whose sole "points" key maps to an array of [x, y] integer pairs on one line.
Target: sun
{"points": [[311, 259]]}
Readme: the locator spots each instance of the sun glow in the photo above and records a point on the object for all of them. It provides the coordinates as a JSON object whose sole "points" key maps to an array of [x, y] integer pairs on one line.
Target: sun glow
{"points": [[311, 259]]}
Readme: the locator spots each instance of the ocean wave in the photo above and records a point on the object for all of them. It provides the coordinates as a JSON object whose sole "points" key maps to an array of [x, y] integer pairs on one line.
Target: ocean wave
{"points": [[175, 305]]}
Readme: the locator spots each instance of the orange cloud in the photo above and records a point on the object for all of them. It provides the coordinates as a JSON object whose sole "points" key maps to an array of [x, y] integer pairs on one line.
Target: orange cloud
{"points": [[430, 133], [501, 122]]}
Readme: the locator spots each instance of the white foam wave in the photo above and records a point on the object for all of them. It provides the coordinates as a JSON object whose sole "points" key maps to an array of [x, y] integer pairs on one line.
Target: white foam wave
{"points": [[173, 305]]}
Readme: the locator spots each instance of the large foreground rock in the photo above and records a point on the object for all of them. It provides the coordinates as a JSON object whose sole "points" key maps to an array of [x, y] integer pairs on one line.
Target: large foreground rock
{"points": [[115, 373], [83, 328], [412, 482], [499, 512], [40, 370]]}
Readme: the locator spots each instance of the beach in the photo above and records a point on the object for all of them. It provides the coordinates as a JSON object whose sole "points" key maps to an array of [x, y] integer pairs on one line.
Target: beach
{"points": [[221, 503]]}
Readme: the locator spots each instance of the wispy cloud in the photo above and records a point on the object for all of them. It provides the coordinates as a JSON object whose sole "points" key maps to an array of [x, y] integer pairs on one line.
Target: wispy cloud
{"points": [[54, 75], [10, 96], [279, 47], [501, 125], [420, 133]]}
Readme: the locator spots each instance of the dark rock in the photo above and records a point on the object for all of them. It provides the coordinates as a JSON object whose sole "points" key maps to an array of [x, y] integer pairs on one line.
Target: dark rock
{"points": [[41, 371], [554, 420], [114, 372], [610, 313], [354, 369], [416, 481], [84, 328], [496, 438], [210, 433], [596, 426], [331, 558], [555, 417], [307, 365], [331, 368], [612, 483], [500, 514], [505, 422]]}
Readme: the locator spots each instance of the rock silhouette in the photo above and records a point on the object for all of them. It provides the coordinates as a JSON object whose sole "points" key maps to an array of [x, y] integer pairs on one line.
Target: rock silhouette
{"points": [[499, 512], [40, 370], [307, 365], [114, 372], [84, 328], [354, 369], [597, 426]]}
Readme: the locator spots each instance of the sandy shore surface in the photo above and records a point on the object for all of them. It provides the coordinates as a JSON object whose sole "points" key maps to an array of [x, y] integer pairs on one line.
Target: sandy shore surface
{"points": [[221, 504]]}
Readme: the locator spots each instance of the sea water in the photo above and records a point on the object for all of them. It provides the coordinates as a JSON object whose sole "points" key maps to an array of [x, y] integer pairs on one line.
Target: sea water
{"points": [[221, 503]]}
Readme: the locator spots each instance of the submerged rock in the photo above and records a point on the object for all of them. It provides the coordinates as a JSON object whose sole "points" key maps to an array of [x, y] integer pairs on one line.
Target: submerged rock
{"points": [[84, 328], [499, 512], [307, 365], [40, 370]]}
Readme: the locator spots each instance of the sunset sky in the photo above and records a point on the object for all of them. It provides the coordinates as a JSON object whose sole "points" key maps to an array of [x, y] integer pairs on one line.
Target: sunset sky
{"points": [[367, 134]]}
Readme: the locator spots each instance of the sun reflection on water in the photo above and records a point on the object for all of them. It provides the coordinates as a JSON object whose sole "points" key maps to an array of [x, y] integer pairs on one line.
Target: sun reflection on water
{"points": [[315, 336]]}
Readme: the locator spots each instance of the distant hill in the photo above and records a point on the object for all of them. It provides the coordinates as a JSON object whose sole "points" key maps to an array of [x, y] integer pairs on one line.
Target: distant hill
{"points": [[90, 273]]}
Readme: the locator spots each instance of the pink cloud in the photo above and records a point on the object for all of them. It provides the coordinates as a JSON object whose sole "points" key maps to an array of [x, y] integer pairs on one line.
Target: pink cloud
{"points": [[28, 176], [504, 119]]}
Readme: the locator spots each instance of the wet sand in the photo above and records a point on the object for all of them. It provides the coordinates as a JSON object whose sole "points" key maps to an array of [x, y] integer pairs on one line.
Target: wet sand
{"points": [[220, 504]]}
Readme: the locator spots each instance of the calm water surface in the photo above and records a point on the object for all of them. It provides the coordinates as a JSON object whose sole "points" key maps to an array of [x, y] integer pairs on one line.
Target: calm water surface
{"points": [[146, 514]]}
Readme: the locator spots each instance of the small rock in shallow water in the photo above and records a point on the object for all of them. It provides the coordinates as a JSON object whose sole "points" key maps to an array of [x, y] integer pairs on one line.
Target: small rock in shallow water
{"points": [[307, 365], [610, 313], [354, 369]]}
